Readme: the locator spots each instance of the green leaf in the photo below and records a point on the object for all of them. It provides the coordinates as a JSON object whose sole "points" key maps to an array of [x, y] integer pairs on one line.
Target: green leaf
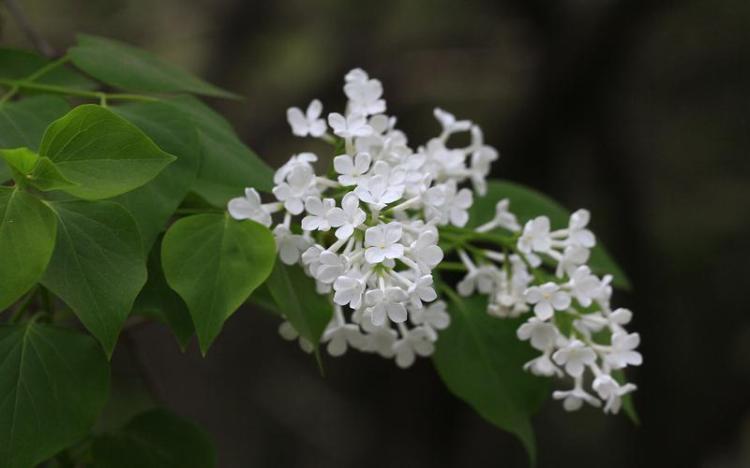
{"points": [[527, 204], [30, 168], [155, 439], [98, 267], [481, 360], [103, 153], [127, 67], [228, 165], [22, 123], [19, 64], [296, 298], [153, 204], [54, 382], [214, 263], [158, 301], [27, 237]]}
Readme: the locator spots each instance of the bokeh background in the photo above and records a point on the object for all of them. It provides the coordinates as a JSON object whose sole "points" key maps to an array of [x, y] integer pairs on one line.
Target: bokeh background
{"points": [[638, 110]]}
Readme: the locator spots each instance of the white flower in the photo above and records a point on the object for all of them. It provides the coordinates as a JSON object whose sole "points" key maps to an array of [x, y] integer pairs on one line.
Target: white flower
{"points": [[351, 169], [331, 267], [319, 214], [308, 123], [577, 232], [364, 96], [298, 186], [483, 279], [378, 192], [482, 157], [388, 302], [536, 236], [381, 340], [249, 207], [353, 125], [433, 317], [504, 218], [584, 286], [575, 356], [546, 299], [543, 335], [623, 352], [573, 256], [382, 242], [422, 291], [339, 336], [449, 123], [611, 392], [349, 289], [454, 209], [416, 342], [302, 159], [573, 399], [348, 217], [290, 245], [287, 331], [425, 251], [542, 366]]}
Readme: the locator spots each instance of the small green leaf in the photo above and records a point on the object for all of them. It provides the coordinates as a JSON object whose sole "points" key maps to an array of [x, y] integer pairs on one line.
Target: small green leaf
{"points": [[153, 204], [296, 298], [19, 64], [228, 165], [98, 267], [158, 301], [214, 263], [127, 67], [155, 439], [22, 123], [54, 382], [481, 360], [22, 160], [30, 168], [27, 237], [527, 204], [101, 152]]}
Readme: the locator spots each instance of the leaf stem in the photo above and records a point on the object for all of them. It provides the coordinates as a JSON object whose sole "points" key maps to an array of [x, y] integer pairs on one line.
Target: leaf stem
{"points": [[64, 90]]}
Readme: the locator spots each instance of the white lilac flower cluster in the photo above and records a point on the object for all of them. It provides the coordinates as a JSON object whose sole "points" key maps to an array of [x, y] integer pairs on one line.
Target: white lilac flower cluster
{"points": [[368, 233], [572, 324]]}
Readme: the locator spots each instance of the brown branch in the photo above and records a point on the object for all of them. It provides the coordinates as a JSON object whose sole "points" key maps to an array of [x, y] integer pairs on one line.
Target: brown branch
{"points": [[28, 29]]}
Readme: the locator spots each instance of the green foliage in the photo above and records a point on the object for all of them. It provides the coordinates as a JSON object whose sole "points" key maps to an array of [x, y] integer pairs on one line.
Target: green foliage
{"points": [[18, 64], [527, 204], [214, 263], [53, 384], [98, 267], [228, 165], [296, 299], [481, 361], [155, 439], [31, 169], [22, 123], [27, 236], [158, 301], [102, 153], [154, 203], [126, 67]]}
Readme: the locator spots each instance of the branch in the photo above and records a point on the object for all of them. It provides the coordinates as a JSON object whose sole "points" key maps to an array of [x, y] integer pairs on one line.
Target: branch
{"points": [[32, 34]]}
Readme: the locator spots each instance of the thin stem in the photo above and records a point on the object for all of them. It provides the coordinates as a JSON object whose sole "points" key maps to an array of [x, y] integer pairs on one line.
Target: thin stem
{"points": [[22, 84], [451, 266], [48, 68]]}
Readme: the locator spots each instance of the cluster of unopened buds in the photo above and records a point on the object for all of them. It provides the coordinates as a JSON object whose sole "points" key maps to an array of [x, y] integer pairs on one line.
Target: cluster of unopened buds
{"points": [[369, 233]]}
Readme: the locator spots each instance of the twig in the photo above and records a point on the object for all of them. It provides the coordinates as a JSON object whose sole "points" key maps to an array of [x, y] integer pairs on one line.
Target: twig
{"points": [[23, 22]]}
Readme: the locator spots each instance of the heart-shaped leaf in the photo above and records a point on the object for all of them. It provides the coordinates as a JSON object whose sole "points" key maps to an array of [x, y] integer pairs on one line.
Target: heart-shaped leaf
{"points": [[214, 263]]}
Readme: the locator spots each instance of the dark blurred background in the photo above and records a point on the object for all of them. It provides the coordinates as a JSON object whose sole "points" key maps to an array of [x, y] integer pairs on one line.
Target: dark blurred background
{"points": [[638, 110]]}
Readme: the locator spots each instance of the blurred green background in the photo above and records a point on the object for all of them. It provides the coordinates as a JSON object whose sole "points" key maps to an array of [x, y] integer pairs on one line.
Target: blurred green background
{"points": [[638, 110]]}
